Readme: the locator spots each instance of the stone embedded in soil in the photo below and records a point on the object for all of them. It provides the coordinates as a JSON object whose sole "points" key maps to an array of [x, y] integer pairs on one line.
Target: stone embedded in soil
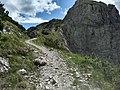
{"points": [[22, 72], [4, 65], [47, 88]]}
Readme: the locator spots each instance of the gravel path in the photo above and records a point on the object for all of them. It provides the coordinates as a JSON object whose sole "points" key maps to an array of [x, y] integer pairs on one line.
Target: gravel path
{"points": [[55, 74]]}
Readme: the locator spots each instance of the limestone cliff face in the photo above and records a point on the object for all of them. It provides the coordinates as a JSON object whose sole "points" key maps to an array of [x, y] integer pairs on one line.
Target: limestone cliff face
{"points": [[93, 28]]}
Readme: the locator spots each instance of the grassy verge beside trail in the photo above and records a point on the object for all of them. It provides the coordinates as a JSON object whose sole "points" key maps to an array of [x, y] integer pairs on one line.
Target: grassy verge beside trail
{"points": [[19, 57], [54, 39], [105, 75]]}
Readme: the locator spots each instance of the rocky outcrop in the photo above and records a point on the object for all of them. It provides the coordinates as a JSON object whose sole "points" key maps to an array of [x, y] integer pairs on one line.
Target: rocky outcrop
{"points": [[93, 28], [4, 65]]}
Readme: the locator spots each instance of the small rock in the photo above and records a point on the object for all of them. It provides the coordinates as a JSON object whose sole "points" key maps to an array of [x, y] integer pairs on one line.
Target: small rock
{"points": [[67, 74], [22, 72], [41, 85], [51, 49], [89, 74], [81, 81], [42, 58], [43, 63], [70, 57], [23, 57], [71, 69], [47, 80], [47, 88], [36, 51], [56, 85], [71, 74], [37, 59], [50, 76], [56, 67], [54, 79], [77, 75], [32, 49]]}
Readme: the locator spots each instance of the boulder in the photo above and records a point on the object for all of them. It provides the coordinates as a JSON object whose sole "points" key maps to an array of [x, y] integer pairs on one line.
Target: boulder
{"points": [[38, 62]]}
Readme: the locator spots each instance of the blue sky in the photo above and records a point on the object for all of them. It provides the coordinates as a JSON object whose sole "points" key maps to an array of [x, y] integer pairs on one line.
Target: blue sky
{"points": [[58, 13], [33, 12]]}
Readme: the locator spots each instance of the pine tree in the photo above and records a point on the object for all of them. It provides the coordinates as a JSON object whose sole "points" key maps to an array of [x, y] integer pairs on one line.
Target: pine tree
{"points": [[2, 9]]}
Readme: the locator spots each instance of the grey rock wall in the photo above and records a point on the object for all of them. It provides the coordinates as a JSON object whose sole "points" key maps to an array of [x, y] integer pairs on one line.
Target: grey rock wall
{"points": [[93, 28]]}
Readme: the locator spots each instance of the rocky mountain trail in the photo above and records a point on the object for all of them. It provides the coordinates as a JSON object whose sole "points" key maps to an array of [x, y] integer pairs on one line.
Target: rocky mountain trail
{"points": [[53, 72]]}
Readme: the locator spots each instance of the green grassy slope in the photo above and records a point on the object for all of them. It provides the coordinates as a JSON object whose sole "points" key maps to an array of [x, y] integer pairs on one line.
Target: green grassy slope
{"points": [[18, 54], [19, 57], [53, 39]]}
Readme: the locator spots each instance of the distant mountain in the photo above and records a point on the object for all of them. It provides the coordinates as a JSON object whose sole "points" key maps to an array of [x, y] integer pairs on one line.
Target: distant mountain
{"points": [[49, 33], [44, 28]]}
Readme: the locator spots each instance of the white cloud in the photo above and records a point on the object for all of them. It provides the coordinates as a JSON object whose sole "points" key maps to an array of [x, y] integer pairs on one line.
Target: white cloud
{"points": [[32, 20], [29, 8], [107, 1], [65, 11]]}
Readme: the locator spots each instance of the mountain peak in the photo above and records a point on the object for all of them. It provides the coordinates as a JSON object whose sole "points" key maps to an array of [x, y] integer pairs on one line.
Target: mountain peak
{"points": [[93, 28]]}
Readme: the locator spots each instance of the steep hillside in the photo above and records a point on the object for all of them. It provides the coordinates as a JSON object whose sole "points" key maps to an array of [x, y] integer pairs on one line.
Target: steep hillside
{"points": [[15, 55], [8, 24]]}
